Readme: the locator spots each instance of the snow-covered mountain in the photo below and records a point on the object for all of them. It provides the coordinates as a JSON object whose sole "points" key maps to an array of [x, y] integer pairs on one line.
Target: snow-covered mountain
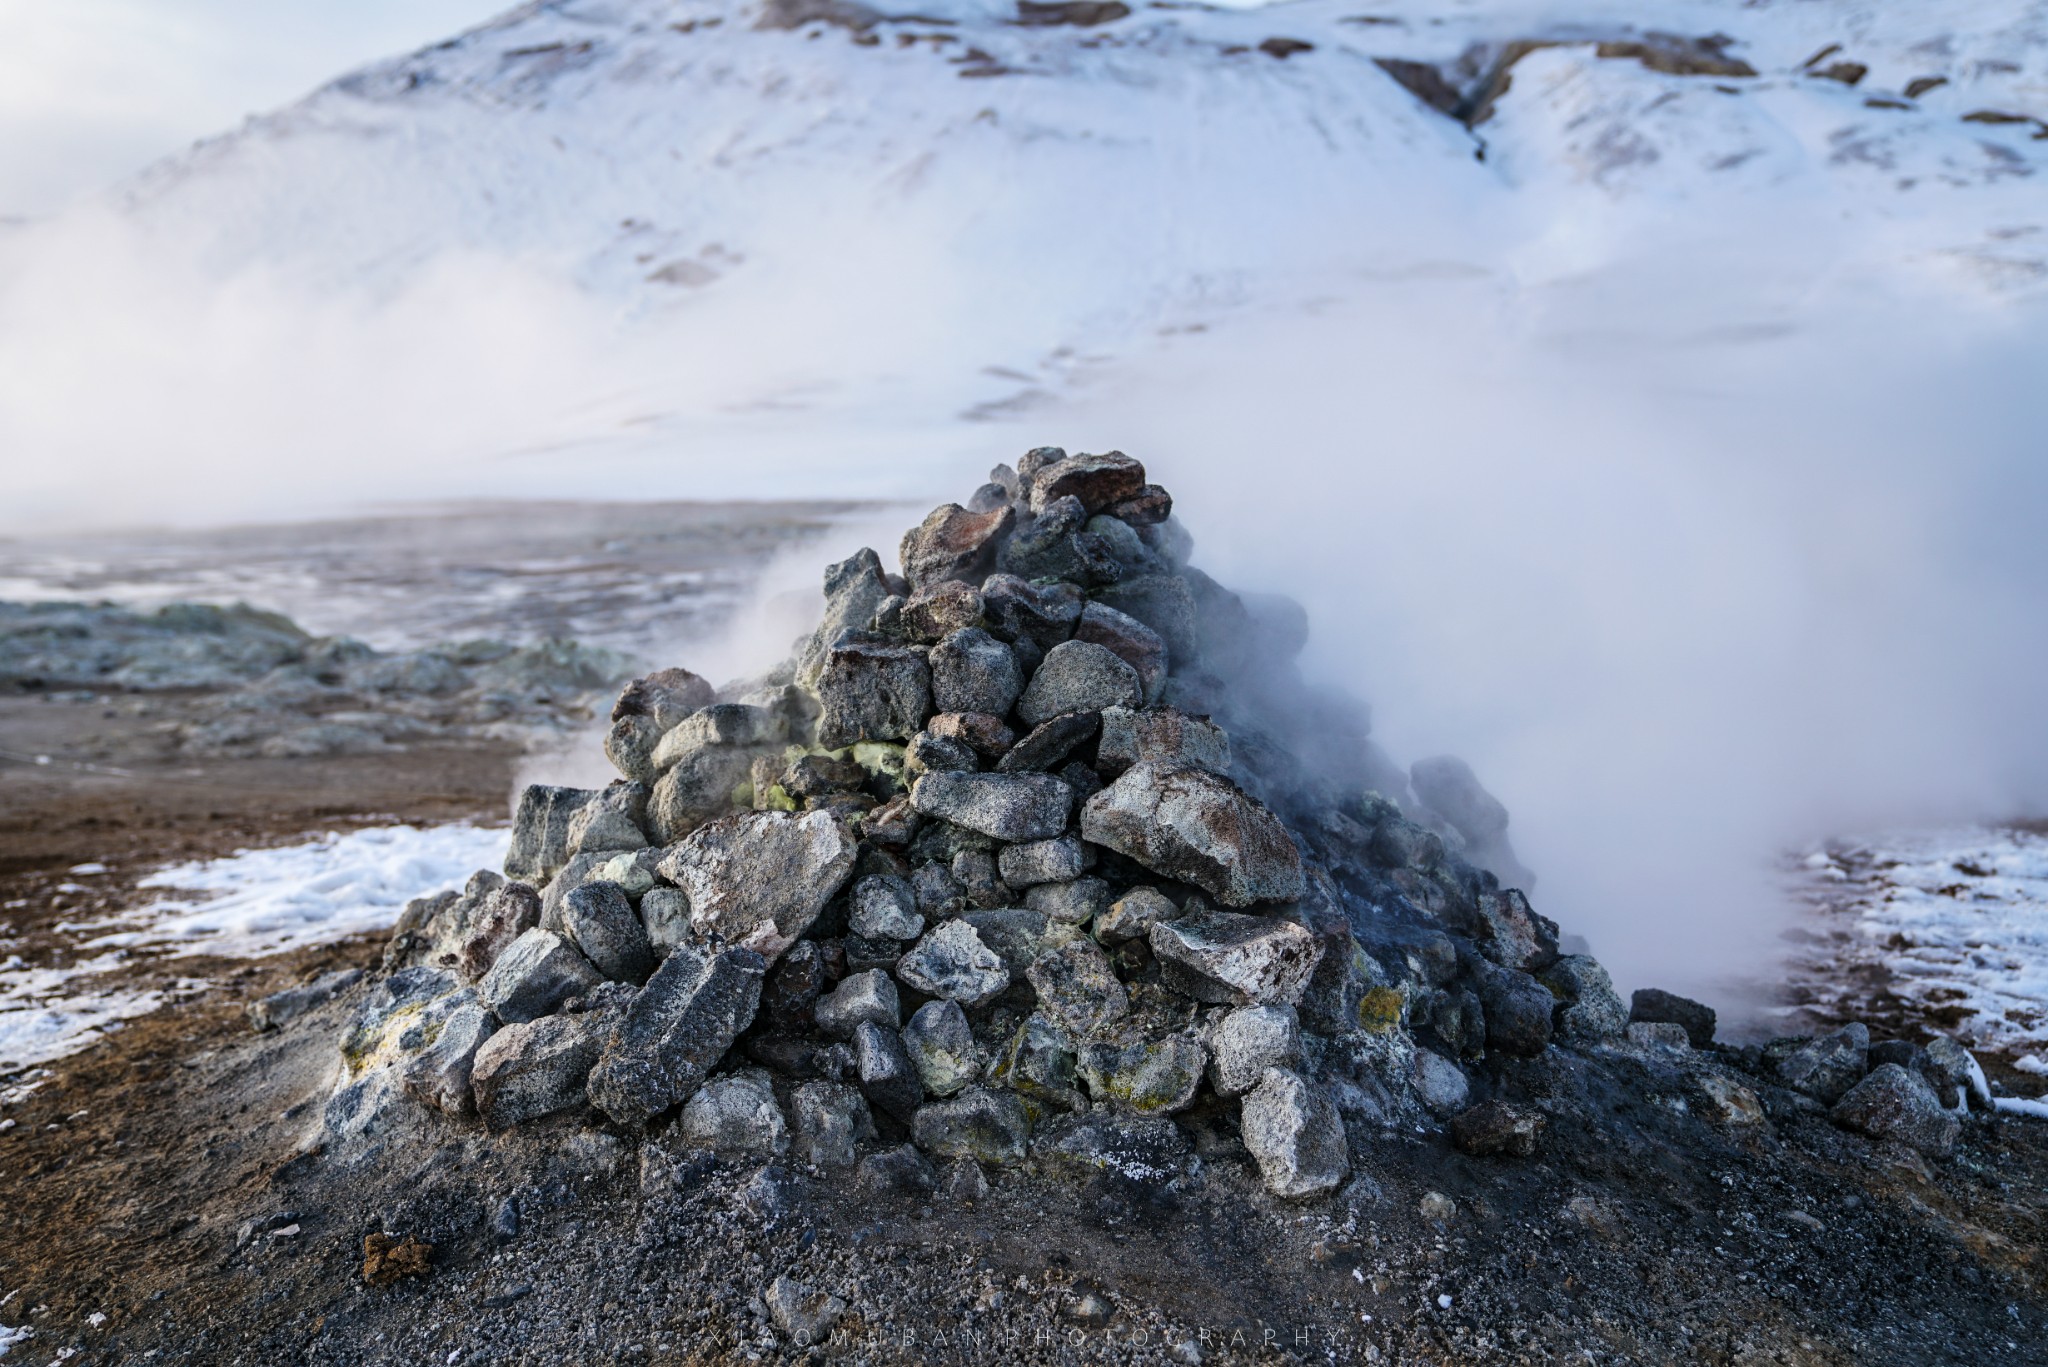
{"points": [[601, 224]]}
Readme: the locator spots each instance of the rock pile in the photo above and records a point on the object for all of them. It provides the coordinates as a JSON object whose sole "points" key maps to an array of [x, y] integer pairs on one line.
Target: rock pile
{"points": [[1039, 850]]}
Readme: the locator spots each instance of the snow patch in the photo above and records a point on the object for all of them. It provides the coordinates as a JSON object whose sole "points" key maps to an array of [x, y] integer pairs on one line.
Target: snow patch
{"points": [[267, 901]]}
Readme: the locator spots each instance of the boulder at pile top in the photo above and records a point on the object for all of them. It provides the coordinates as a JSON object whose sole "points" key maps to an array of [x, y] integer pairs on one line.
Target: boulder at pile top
{"points": [[1039, 848]]}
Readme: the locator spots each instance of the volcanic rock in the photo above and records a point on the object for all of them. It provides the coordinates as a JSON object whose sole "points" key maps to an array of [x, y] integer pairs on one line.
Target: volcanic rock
{"points": [[872, 690], [1248, 1041], [1130, 640], [1015, 807], [680, 1024], [1163, 734], [1654, 1004], [1132, 916], [1147, 1075], [600, 922], [884, 907], [869, 996], [953, 544], [1826, 1068], [537, 973], [759, 879], [1493, 1127], [1073, 903], [1295, 1135], [540, 831], [887, 1078], [1041, 861], [1896, 1103], [953, 963], [1589, 1009], [941, 1047], [1048, 745], [535, 1068], [1097, 481], [1076, 987], [1199, 828], [972, 671], [831, 1117], [982, 1125], [736, 1114], [1234, 959], [1078, 676]]}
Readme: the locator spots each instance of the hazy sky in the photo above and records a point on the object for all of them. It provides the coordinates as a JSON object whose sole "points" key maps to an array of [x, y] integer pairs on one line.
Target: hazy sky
{"points": [[91, 90]]}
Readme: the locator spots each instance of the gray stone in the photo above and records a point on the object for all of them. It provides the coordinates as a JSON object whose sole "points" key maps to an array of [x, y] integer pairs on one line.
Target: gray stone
{"points": [[1295, 1135], [869, 996], [939, 894], [964, 1182], [1096, 480], [680, 1025], [1039, 1065], [1440, 1084], [630, 745], [533, 977], [611, 820], [972, 671], [507, 913], [1518, 1010], [1248, 1041], [854, 589], [442, 1074], [901, 1171], [1896, 1103], [1589, 1009], [975, 870], [1130, 640], [281, 1008], [703, 783], [1078, 676], [1132, 916], [1048, 745], [665, 916], [1077, 988], [980, 1125], [1072, 903], [986, 734], [1955, 1075], [884, 907], [1146, 1151], [927, 752], [1494, 1127], [804, 1315], [1021, 611], [937, 610], [1233, 959], [1012, 807], [953, 963], [1506, 929], [735, 1114], [602, 923], [534, 1068], [1657, 1035], [664, 697], [887, 1078], [831, 1118], [759, 879], [725, 726], [540, 831], [1655, 1004], [1018, 935], [1054, 545], [1042, 861], [1826, 1068], [1161, 734], [942, 1048], [873, 691], [1149, 1076], [1198, 828], [1163, 602], [953, 543]]}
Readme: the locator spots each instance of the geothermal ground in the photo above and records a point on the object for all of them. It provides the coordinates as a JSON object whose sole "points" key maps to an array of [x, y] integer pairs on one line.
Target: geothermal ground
{"points": [[167, 1205]]}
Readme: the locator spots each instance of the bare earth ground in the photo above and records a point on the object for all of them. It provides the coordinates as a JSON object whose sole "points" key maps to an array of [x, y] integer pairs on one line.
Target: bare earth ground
{"points": [[1640, 1233]]}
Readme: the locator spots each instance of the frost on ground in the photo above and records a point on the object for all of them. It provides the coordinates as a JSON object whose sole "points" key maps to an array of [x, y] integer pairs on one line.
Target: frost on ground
{"points": [[255, 902], [268, 901], [1951, 925]]}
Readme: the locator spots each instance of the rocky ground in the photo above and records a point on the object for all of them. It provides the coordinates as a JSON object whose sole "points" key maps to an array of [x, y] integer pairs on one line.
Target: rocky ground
{"points": [[1502, 1186]]}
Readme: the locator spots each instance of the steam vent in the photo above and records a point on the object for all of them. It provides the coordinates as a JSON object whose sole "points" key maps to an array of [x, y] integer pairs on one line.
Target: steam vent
{"points": [[1038, 856]]}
